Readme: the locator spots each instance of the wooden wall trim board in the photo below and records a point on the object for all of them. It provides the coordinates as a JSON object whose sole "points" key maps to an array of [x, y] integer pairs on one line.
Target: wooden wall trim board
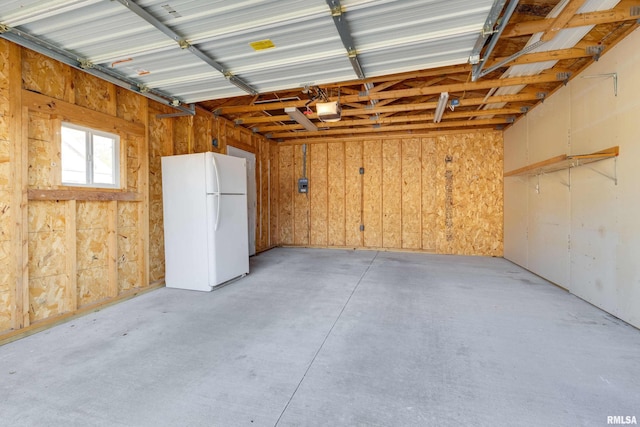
{"points": [[84, 194], [79, 115]]}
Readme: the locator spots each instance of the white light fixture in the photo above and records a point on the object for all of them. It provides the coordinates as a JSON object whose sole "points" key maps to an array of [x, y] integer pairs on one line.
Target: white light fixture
{"points": [[442, 104], [328, 111], [297, 115]]}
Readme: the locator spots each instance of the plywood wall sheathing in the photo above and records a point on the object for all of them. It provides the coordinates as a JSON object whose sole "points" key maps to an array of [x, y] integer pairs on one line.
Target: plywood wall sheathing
{"points": [[44, 157], [301, 229], [353, 196], [92, 93], [92, 241], [392, 194], [47, 259], [47, 76], [336, 220], [318, 194], [183, 135], [430, 206], [130, 106], [411, 182], [286, 190], [273, 211], [440, 194], [372, 193], [160, 144], [7, 279]]}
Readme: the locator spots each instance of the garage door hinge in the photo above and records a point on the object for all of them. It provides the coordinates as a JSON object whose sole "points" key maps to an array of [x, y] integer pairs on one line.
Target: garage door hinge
{"points": [[361, 227], [361, 171]]}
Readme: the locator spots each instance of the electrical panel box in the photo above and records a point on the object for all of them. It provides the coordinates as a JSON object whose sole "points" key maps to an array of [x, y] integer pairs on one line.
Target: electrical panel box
{"points": [[303, 185]]}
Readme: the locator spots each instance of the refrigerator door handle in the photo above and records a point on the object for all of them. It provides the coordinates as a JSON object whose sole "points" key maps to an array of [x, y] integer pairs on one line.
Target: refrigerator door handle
{"points": [[215, 227], [215, 168]]}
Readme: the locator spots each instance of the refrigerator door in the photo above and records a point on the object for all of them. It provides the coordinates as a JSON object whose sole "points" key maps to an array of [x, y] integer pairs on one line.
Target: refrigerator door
{"points": [[186, 218], [226, 174], [229, 250]]}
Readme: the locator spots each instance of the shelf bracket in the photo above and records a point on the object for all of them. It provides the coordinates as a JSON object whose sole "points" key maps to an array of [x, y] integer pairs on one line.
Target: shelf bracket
{"points": [[613, 178]]}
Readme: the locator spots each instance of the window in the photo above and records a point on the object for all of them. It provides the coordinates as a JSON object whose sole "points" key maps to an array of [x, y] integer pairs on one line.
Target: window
{"points": [[89, 157]]}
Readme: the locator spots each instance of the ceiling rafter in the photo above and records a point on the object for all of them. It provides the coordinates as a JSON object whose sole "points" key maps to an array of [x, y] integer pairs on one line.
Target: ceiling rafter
{"points": [[419, 126], [622, 12], [425, 117], [469, 102], [402, 93]]}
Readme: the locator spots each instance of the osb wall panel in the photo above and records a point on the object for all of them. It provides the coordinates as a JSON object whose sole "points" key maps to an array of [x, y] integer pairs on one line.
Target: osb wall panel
{"points": [[318, 170], [160, 144], [371, 193], [391, 194], [202, 133], [183, 135], [92, 237], [130, 106], [4, 96], [411, 194], [128, 255], [46, 76], [301, 229], [47, 259], [263, 167], [335, 194], [285, 191], [92, 93], [274, 194], [476, 168], [128, 251], [353, 194], [7, 280], [430, 206], [133, 143], [44, 156], [440, 194]]}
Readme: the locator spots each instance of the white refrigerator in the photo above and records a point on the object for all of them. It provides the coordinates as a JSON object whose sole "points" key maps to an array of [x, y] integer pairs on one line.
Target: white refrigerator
{"points": [[205, 220]]}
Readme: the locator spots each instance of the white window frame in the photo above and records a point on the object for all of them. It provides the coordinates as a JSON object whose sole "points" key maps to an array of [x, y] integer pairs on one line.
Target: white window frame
{"points": [[89, 161]]}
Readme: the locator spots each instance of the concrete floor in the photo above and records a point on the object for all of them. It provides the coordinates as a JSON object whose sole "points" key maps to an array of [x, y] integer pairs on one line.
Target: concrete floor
{"points": [[334, 338]]}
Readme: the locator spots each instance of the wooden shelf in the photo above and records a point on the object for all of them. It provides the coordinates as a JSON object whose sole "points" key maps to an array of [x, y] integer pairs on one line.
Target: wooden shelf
{"points": [[564, 162]]}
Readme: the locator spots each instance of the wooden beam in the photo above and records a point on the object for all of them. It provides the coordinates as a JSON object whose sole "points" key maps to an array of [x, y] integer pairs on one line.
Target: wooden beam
{"points": [[70, 296], [18, 119], [79, 115], [551, 55], [622, 12], [387, 136], [419, 126], [112, 246], [520, 97], [397, 119], [562, 20], [402, 93], [73, 193]]}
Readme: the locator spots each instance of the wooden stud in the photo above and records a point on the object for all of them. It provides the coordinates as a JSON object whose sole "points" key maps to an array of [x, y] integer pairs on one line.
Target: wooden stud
{"points": [[71, 290]]}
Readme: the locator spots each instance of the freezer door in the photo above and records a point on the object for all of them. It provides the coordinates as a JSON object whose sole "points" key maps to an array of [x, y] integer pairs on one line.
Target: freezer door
{"points": [[186, 217], [229, 232], [226, 174]]}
